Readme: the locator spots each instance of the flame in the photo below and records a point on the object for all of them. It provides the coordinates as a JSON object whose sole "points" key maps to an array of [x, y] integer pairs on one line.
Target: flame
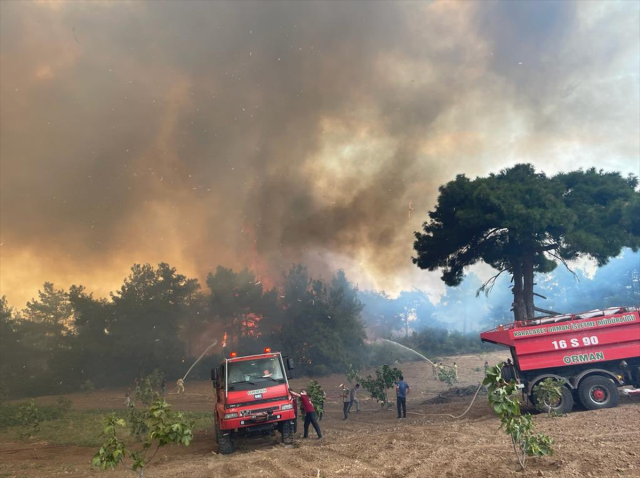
{"points": [[249, 323], [224, 340]]}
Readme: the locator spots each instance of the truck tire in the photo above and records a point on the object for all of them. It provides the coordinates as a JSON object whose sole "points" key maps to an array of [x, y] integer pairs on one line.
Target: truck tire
{"points": [[598, 392], [287, 433], [225, 444], [565, 405]]}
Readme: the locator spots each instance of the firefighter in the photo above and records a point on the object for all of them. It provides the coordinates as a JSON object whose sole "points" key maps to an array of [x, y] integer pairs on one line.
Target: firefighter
{"points": [[180, 384], [353, 398], [346, 400], [434, 369], [455, 369]]}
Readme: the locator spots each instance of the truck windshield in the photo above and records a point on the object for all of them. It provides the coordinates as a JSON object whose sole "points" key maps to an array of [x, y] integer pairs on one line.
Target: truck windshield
{"points": [[252, 374]]}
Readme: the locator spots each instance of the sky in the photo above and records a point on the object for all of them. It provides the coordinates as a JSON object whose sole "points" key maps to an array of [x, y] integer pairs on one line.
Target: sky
{"points": [[259, 134]]}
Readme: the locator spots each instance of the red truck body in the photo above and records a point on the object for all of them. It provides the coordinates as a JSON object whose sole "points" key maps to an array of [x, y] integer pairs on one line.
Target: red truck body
{"points": [[252, 398], [574, 348]]}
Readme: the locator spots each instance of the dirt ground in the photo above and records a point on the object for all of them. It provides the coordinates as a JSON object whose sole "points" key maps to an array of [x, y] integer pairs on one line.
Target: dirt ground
{"points": [[372, 442]]}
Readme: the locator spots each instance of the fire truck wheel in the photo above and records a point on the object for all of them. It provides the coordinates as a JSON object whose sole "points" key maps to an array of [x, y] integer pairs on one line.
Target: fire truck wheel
{"points": [[287, 433], [225, 444], [598, 392], [566, 402]]}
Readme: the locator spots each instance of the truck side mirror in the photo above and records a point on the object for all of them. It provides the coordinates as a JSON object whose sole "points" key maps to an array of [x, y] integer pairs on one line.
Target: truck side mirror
{"points": [[214, 374], [290, 364]]}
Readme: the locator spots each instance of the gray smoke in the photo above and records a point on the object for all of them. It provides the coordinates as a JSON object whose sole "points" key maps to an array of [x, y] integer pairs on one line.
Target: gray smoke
{"points": [[262, 133]]}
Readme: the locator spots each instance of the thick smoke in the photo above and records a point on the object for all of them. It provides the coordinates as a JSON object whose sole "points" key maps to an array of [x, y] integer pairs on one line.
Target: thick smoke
{"points": [[259, 134]]}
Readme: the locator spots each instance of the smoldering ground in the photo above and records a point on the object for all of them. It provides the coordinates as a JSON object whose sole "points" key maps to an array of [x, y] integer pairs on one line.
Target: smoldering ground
{"points": [[262, 133]]}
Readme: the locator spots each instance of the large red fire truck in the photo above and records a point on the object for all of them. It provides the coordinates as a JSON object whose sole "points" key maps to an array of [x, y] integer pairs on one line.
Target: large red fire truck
{"points": [[252, 398], [592, 353]]}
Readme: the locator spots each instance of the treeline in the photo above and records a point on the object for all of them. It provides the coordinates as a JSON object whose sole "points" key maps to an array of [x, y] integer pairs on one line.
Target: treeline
{"points": [[159, 320], [162, 320], [462, 308], [440, 342], [572, 291]]}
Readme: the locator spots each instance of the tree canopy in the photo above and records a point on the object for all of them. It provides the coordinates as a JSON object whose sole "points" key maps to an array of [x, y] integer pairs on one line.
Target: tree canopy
{"points": [[521, 221]]}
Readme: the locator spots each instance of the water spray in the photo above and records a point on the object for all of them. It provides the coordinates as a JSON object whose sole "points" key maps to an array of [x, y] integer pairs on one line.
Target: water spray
{"points": [[437, 414], [410, 350], [199, 358]]}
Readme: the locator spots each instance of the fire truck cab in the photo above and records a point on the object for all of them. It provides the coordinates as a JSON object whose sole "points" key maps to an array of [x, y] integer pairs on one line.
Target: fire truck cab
{"points": [[253, 399], [593, 353]]}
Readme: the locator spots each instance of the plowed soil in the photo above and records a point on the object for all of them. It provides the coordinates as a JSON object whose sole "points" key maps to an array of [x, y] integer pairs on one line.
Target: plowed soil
{"points": [[372, 442]]}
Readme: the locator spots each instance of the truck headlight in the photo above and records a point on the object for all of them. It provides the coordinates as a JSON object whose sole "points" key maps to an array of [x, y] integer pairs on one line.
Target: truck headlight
{"points": [[227, 416], [286, 407]]}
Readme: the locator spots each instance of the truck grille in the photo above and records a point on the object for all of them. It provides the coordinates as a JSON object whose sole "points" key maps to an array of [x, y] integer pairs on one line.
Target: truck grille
{"points": [[258, 402], [245, 413]]}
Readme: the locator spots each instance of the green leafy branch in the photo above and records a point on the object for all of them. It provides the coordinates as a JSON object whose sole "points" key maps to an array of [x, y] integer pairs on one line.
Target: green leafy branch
{"points": [[504, 400], [164, 428], [548, 394]]}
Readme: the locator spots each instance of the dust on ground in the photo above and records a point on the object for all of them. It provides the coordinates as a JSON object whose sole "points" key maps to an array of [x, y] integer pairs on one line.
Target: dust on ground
{"points": [[372, 442]]}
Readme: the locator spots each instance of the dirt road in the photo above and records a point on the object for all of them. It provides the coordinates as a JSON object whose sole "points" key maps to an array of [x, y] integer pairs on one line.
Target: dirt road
{"points": [[373, 442]]}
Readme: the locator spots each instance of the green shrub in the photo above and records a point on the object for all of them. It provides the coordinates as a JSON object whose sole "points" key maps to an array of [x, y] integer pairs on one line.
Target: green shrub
{"points": [[377, 386], [155, 379], [13, 415], [30, 418], [64, 404], [447, 376], [4, 393], [316, 395], [9, 416], [88, 386], [146, 395]]}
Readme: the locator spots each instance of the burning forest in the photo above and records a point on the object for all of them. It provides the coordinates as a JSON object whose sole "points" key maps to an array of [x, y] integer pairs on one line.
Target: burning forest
{"points": [[253, 210]]}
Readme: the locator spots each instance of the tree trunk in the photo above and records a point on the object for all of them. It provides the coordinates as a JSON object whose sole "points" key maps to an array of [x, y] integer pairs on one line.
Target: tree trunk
{"points": [[519, 308], [527, 291]]}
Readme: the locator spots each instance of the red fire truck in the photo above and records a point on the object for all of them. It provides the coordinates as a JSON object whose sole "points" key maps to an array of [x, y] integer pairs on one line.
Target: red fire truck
{"points": [[593, 353], [252, 398]]}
